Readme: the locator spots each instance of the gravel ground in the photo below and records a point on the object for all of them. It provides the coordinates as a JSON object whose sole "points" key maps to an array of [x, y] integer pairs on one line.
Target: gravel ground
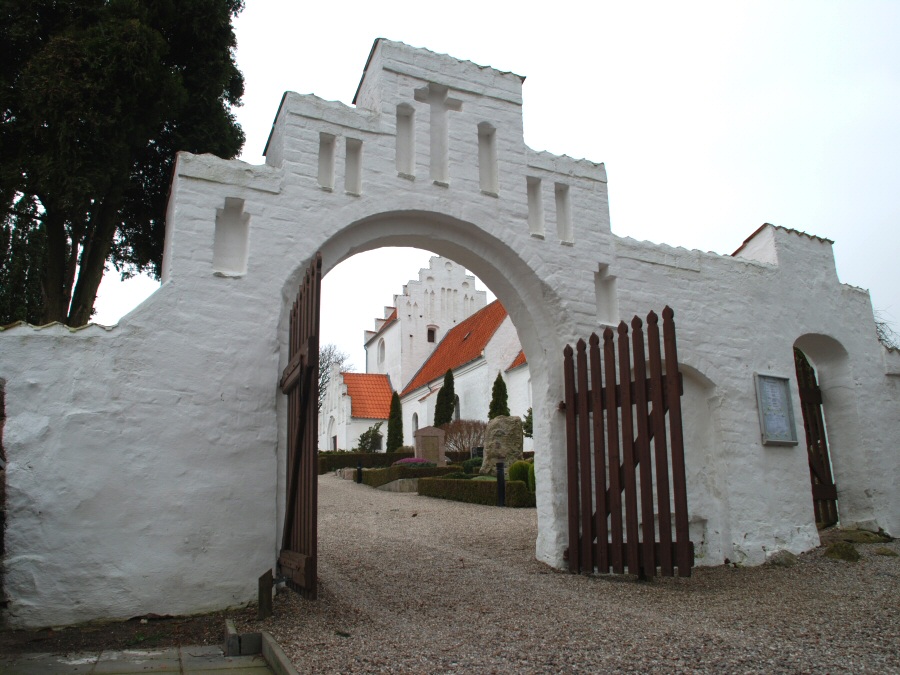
{"points": [[410, 584]]}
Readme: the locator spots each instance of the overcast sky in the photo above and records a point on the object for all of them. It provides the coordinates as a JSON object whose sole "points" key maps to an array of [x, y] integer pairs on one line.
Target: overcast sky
{"points": [[712, 118]]}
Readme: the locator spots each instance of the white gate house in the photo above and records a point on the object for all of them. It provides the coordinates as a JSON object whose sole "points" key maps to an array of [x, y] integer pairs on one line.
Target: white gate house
{"points": [[146, 462]]}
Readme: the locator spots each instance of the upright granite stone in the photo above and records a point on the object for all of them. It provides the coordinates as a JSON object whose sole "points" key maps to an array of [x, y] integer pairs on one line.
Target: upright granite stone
{"points": [[502, 443]]}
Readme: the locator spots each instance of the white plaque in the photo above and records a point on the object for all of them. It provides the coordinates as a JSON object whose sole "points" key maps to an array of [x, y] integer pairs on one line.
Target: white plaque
{"points": [[776, 413]]}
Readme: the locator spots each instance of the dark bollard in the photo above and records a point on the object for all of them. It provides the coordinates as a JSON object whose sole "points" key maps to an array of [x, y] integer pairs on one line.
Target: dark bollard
{"points": [[264, 603], [501, 485], [359, 472]]}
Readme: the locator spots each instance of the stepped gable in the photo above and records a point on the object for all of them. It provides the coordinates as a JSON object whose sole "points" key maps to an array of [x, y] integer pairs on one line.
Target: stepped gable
{"points": [[381, 325], [370, 395], [462, 344]]}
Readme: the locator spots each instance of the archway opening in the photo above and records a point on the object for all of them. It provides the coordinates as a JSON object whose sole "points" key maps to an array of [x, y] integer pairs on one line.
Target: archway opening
{"points": [[532, 306]]}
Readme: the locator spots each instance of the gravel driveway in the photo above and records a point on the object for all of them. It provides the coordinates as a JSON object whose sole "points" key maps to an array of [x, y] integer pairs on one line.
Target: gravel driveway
{"points": [[410, 584]]}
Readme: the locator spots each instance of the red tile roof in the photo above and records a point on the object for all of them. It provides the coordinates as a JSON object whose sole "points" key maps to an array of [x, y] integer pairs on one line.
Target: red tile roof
{"points": [[370, 395], [520, 360], [461, 344]]}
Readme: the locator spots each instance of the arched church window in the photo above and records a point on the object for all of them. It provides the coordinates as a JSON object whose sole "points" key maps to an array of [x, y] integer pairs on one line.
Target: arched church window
{"points": [[415, 422], [456, 408], [381, 351]]}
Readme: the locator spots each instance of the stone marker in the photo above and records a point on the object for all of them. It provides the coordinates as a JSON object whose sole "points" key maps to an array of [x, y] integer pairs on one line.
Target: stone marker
{"points": [[502, 443]]}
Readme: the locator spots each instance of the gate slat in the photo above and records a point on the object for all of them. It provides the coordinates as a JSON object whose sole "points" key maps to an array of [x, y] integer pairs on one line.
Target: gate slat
{"points": [[572, 459], [584, 458], [631, 518], [612, 448], [600, 513], [679, 480], [641, 418], [660, 447]]}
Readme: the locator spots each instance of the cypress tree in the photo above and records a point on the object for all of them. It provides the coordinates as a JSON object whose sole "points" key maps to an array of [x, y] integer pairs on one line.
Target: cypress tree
{"points": [[395, 425], [446, 402], [499, 405]]}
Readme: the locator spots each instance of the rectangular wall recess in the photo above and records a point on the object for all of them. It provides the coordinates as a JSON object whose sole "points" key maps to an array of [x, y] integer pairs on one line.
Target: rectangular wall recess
{"points": [[535, 207], [487, 159], [326, 161], [406, 141], [563, 214], [353, 168]]}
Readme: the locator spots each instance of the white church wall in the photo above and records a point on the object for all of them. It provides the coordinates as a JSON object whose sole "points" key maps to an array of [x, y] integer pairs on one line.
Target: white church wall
{"points": [[518, 387], [113, 436]]}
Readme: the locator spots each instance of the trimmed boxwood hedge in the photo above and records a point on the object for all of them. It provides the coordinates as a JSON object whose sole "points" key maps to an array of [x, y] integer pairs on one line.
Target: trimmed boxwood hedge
{"points": [[379, 477], [339, 460], [476, 491]]}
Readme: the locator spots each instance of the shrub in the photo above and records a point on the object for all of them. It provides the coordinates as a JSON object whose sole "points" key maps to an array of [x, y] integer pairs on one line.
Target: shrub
{"points": [[379, 477], [530, 482], [458, 475], [457, 457], [328, 462], [463, 435], [470, 465], [370, 439], [476, 491], [519, 471], [528, 423], [417, 461]]}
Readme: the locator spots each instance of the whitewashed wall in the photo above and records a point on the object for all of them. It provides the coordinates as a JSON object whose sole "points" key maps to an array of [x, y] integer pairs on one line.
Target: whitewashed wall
{"points": [[146, 463]]}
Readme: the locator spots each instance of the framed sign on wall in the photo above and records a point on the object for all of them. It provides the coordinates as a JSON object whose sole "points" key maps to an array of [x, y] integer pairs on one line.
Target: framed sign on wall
{"points": [[776, 412]]}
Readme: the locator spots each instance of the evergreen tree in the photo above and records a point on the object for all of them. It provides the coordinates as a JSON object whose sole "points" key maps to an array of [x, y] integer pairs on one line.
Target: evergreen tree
{"points": [[528, 423], [96, 99], [446, 402], [499, 406], [395, 425], [22, 248]]}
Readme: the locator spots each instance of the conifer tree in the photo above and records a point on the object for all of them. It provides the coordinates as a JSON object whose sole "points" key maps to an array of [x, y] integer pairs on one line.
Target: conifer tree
{"points": [[96, 99], [499, 406], [395, 425], [446, 402]]}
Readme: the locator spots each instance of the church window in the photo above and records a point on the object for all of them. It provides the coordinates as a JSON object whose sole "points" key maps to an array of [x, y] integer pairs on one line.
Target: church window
{"points": [[456, 408], [381, 351], [415, 422], [432, 333]]}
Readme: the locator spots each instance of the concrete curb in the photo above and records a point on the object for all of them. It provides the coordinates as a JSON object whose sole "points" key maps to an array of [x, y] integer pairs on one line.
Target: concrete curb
{"points": [[275, 656]]}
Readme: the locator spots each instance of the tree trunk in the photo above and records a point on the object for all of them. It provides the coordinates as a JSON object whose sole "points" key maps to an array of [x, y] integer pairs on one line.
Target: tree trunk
{"points": [[56, 299], [93, 260]]}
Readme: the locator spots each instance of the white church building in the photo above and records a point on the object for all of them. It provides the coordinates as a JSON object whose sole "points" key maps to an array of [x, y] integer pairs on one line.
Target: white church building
{"points": [[439, 322]]}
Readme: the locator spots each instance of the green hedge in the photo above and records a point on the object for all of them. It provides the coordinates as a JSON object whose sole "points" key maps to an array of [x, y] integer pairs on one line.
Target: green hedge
{"points": [[379, 477], [476, 491], [328, 462]]}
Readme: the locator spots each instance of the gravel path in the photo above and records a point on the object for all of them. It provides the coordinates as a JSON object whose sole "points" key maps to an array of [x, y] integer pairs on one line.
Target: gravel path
{"points": [[410, 584]]}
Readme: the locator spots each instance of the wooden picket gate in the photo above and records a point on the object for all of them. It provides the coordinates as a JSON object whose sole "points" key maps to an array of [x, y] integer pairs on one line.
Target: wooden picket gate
{"points": [[609, 429], [300, 382], [824, 490]]}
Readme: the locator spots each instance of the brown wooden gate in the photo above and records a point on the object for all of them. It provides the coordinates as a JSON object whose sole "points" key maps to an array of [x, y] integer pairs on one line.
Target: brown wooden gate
{"points": [[609, 429], [824, 490], [300, 382]]}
